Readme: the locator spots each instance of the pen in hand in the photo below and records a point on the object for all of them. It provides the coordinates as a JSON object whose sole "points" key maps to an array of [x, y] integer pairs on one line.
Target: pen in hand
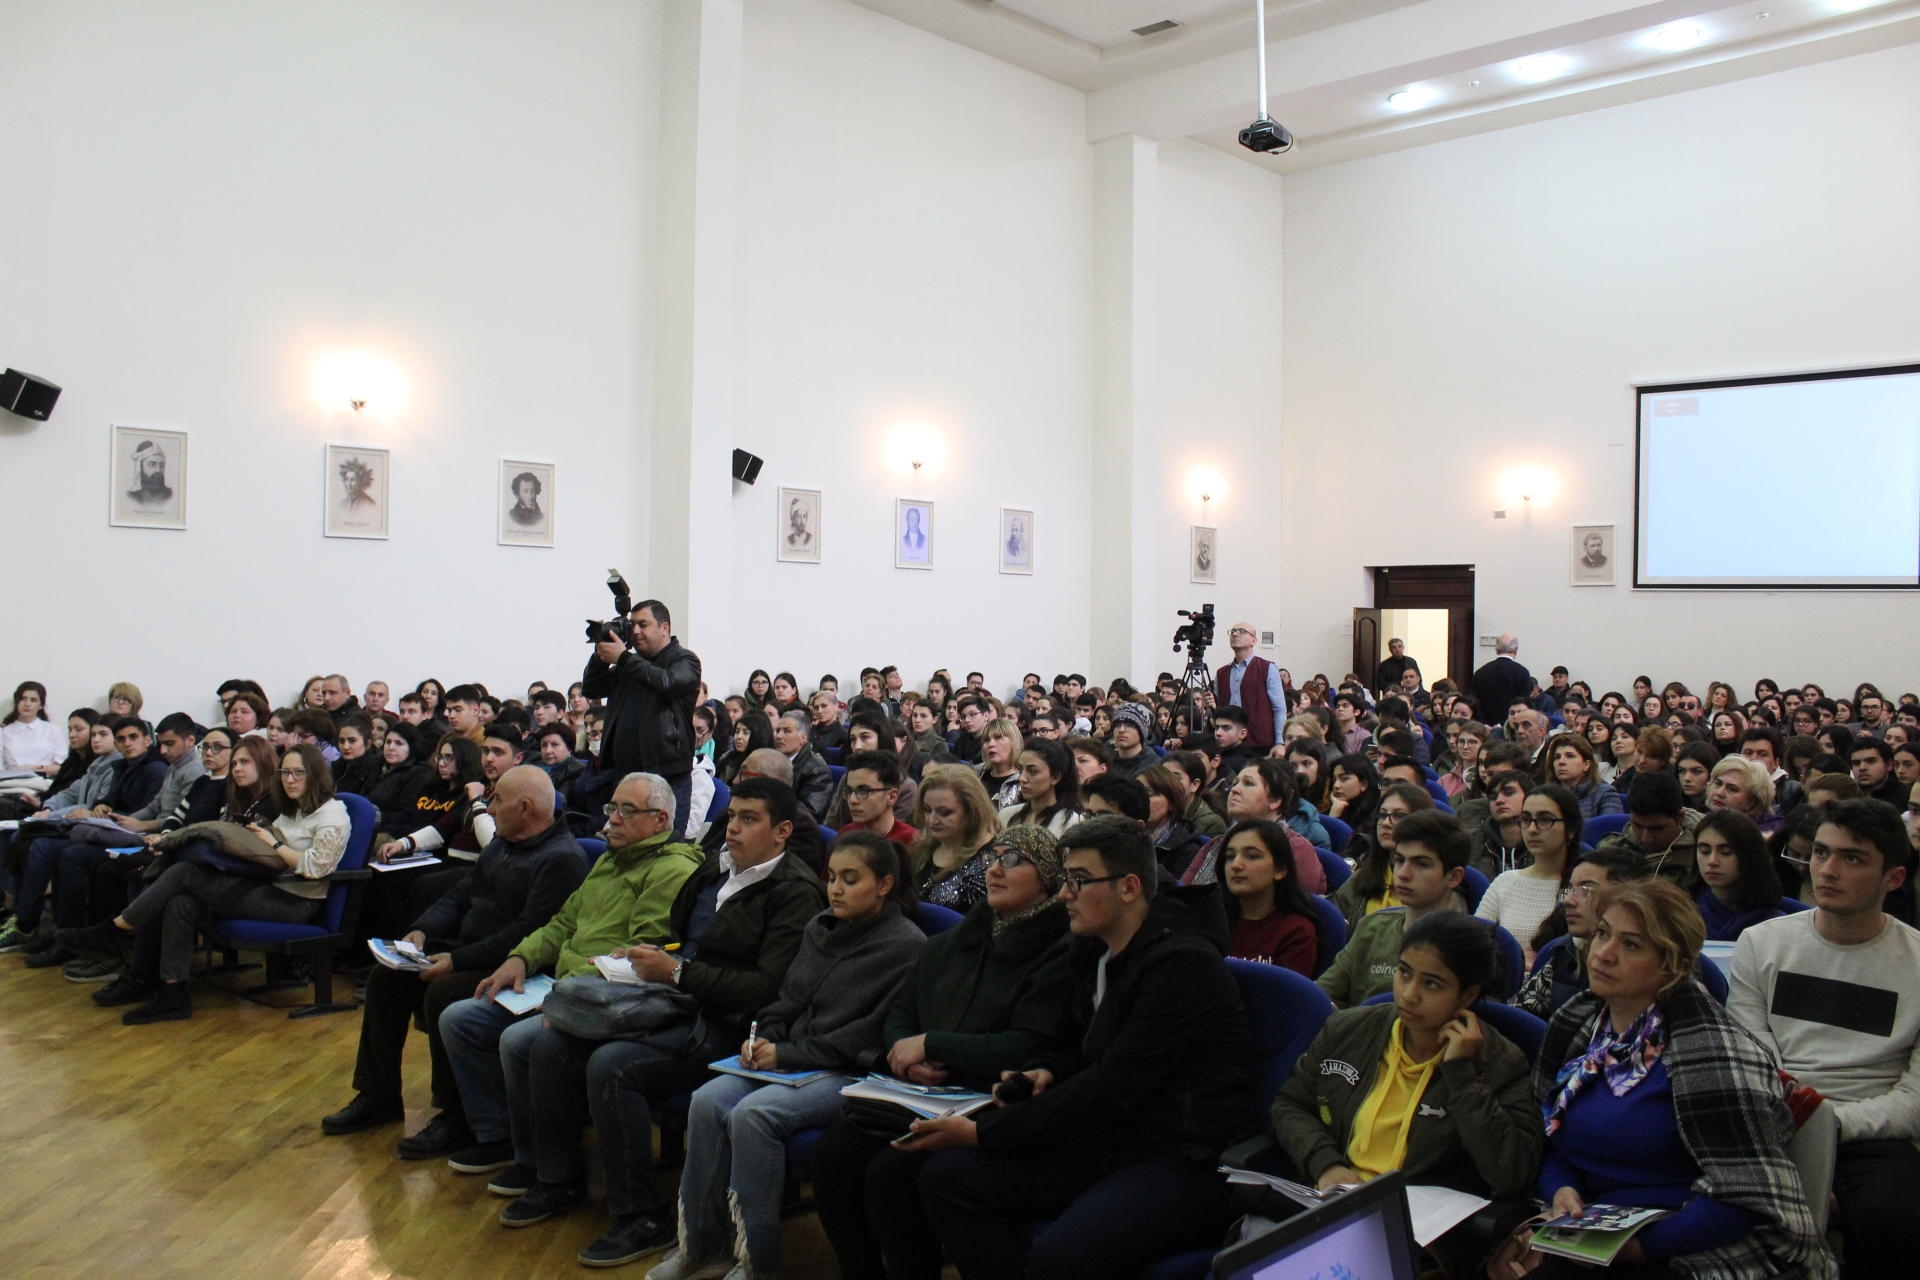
{"points": [[753, 1043]]}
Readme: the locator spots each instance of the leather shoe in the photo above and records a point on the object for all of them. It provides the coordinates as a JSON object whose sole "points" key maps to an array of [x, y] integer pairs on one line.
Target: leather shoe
{"points": [[635, 1236], [542, 1202], [441, 1136], [364, 1112]]}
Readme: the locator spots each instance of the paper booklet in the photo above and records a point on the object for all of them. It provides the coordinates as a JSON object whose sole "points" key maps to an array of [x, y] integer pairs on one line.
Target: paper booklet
{"points": [[1434, 1210], [401, 864], [399, 954], [928, 1101], [792, 1079], [528, 1000], [1596, 1234], [617, 969]]}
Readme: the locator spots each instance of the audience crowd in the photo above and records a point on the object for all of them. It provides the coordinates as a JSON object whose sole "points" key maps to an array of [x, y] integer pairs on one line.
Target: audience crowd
{"points": [[1700, 903]]}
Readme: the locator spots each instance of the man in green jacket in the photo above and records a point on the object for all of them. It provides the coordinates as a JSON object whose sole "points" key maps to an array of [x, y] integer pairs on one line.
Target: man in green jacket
{"points": [[625, 899], [1429, 859]]}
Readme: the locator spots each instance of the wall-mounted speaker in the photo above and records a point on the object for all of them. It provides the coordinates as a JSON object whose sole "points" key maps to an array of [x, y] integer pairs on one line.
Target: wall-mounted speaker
{"points": [[32, 397], [746, 466]]}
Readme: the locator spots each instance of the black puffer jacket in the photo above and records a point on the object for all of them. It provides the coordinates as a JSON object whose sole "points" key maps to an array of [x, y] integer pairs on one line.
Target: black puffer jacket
{"points": [[649, 723], [515, 888], [1167, 1049]]}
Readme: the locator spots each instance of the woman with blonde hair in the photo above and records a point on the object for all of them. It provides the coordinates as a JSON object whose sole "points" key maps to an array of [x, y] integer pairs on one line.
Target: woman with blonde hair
{"points": [[1743, 786], [1000, 744], [957, 823]]}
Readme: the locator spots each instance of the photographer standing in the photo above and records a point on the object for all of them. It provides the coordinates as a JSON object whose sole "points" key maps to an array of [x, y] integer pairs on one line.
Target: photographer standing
{"points": [[650, 690]]}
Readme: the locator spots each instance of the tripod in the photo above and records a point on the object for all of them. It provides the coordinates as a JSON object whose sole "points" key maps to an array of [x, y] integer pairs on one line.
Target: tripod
{"points": [[1196, 679]]}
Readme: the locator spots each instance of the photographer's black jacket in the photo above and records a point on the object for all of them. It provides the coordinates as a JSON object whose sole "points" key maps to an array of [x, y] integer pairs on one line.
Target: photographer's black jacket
{"points": [[649, 724]]}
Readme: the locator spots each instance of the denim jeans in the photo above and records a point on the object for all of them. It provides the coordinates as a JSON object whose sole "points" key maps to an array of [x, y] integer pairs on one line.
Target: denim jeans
{"points": [[36, 872], [472, 1030], [736, 1165], [682, 801]]}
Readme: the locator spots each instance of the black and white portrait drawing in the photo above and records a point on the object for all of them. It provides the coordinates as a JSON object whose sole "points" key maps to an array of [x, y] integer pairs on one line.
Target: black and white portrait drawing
{"points": [[1203, 554], [356, 492], [149, 478], [797, 531], [1016, 540], [912, 534], [526, 499]]}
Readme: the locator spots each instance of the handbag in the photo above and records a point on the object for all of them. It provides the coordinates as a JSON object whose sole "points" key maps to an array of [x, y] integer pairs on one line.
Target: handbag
{"points": [[877, 1119], [594, 1008]]}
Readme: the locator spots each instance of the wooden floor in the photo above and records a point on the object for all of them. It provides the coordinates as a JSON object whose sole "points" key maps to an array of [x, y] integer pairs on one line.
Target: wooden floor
{"points": [[193, 1150]]}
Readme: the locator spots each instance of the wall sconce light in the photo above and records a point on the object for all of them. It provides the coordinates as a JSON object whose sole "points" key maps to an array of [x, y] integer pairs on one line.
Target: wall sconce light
{"points": [[1204, 484], [1524, 486], [916, 447], [360, 382]]}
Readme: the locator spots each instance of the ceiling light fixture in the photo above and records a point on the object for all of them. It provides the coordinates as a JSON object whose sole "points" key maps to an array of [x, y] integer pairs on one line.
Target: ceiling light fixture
{"points": [[1677, 36], [1540, 67], [1412, 99]]}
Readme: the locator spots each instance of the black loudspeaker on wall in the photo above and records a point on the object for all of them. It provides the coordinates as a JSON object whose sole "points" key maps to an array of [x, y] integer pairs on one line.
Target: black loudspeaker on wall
{"points": [[746, 466], [32, 397]]}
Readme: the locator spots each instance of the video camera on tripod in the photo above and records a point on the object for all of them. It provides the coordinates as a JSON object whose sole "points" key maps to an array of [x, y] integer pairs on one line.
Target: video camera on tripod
{"points": [[1196, 634], [618, 627]]}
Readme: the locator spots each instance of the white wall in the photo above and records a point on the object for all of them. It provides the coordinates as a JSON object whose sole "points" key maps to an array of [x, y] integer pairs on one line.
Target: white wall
{"points": [[209, 196], [1459, 309], [913, 248]]}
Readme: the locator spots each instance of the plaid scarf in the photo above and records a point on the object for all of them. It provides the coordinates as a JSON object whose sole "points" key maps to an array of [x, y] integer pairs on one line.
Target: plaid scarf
{"points": [[1624, 1059]]}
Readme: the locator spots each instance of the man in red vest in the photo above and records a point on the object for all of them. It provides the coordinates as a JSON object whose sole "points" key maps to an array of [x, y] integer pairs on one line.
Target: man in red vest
{"points": [[1253, 685]]}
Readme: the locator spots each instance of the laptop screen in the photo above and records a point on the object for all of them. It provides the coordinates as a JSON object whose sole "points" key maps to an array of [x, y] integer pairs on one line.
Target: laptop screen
{"points": [[1363, 1235]]}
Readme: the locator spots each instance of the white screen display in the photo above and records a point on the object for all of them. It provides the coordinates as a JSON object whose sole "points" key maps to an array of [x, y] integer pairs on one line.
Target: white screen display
{"points": [[1808, 482]]}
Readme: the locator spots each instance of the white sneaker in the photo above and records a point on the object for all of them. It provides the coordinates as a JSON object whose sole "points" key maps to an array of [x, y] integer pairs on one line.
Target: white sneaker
{"points": [[675, 1266], [741, 1271]]}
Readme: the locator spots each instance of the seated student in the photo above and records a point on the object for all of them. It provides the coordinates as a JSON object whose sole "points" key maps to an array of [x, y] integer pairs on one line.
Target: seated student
{"points": [[828, 1017], [1175, 840], [532, 866], [1311, 777], [1576, 767], [1655, 1097], [555, 743], [463, 712], [1262, 790], [1468, 739], [1660, 829], [1230, 735], [1738, 885], [29, 739], [1090, 758], [1370, 887], [1355, 790], [739, 919], [307, 838], [1560, 966], [751, 733], [1421, 1084], [1049, 788], [1871, 762], [1520, 901], [808, 841], [1192, 769], [957, 823], [823, 711], [983, 999], [358, 766], [999, 769], [627, 896], [871, 731], [1270, 918], [315, 728], [1835, 994], [1156, 1034], [1115, 797], [1429, 857], [404, 773], [868, 791]]}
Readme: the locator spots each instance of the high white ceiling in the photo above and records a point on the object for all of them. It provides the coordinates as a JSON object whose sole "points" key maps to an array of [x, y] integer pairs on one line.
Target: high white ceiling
{"points": [[1469, 65]]}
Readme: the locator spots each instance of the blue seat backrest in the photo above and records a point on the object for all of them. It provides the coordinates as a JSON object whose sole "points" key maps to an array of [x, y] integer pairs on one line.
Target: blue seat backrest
{"points": [[1335, 867], [1284, 1013], [1596, 829], [1337, 831], [1541, 956], [1711, 977], [1513, 963], [838, 771], [593, 847], [364, 820], [722, 795], [933, 918], [1473, 883], [1441, 800], [827, 836], [1787, 906], [1333, 932]]}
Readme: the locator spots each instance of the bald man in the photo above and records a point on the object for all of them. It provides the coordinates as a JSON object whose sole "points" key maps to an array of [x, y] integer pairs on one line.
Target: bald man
{"points": [[1252, 684], [523, 875]]}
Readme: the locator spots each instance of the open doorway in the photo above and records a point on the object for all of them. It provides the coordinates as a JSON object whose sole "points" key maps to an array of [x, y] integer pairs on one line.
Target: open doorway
{"points": [[1430, 607]]}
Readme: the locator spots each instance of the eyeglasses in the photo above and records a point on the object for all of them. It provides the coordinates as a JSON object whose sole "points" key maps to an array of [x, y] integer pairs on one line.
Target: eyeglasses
{"points": [[864, 793], [1008, 859], [293, 773], [213, 748], [1387, 818], [1071, 884], [1578, 892], [626, 811], [1547, 820]]}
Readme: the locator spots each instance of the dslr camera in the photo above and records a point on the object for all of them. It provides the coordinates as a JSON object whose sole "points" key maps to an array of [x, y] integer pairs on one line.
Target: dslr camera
{"points": [[617, 628]]}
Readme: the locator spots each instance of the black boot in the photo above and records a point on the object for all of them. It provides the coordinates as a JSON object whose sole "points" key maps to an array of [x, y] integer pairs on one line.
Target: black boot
{"points": [[171, 1005]]}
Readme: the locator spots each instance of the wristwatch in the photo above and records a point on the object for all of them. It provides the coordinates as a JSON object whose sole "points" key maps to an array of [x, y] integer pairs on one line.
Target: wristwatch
{"points": [[678, 965]]}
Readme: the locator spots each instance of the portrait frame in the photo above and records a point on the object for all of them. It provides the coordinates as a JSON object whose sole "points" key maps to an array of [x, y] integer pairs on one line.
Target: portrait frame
{"points": [[799, 544], [912, 518], [356, 507], [519, 526], [131, 503], [1016, 540], [1203, 554], [1582, 568]]}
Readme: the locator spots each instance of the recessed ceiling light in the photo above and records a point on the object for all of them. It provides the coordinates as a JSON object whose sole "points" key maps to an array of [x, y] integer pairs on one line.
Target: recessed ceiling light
{"points": [[1411, 99], [1542, 66], [1473, 84], [1676, 36]]}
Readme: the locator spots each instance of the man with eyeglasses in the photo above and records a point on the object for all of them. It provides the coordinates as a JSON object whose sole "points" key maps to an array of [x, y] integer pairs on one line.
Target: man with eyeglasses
{"points": [[1834, 994], [1560, 970], [1251, 683], [1155, 1034], [1660, 829], [530, 868], [871, 787]]}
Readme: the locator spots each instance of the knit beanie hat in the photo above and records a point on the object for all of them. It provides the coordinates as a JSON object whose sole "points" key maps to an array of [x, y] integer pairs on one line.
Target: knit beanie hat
{"points": [[1036, 845], [1136, 715]]}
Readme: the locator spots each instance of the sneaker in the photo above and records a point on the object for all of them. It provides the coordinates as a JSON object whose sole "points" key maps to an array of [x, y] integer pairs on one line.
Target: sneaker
{"points": [[441, 1136], [364, 1112], [48, 956], [172, 1004], [674, 1266], [37, 942], [92, 968], [514, 1182], [13, 939], [101, 937], [482, 1157], [123, 990], [542, 1201]]}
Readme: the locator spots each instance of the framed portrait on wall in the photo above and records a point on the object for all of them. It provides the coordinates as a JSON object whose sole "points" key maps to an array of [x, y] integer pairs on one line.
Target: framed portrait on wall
{"points": [[525, 499], [912, 533], [1203, 554], [356, 491], [1016, 540], [797, 533], [1592, 555], [149, 479]]}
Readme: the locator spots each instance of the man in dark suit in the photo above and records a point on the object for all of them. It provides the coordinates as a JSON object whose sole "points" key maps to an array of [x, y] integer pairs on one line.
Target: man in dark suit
{"points": [[1497, 684]]}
